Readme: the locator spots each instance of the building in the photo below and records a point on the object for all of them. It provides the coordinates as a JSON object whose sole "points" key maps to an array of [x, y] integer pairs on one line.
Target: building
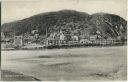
{"points": [[2, 36], [75, 38], [93, 37], [85, 33], [18, 41], [27, 39], [56, 38], [50, 41], [62, 36], [36, 36]]}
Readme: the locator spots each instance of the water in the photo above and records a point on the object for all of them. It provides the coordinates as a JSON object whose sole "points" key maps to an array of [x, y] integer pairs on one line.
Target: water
{"points": [[68, 64]]}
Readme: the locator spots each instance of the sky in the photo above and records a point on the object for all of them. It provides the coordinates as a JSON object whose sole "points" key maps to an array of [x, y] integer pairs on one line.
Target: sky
{"points": [[13, 10]]}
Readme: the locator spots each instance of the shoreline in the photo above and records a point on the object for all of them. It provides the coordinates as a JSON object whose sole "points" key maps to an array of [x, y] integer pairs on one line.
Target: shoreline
{"points": [[60, 47]]}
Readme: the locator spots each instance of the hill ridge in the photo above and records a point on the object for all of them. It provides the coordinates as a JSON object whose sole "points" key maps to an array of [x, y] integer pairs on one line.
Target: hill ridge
{"points": [[108, 24]]}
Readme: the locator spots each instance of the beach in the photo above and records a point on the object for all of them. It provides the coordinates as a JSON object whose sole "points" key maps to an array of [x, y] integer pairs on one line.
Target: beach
{"points": [[92, 63]]}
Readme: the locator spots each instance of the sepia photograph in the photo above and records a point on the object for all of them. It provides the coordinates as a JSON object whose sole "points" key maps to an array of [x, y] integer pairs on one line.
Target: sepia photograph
{"points": [[64, 40]]}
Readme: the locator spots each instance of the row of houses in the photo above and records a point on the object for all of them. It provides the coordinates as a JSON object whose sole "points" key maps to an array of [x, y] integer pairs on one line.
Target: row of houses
{"points": [[61, 38], [82, 41], [21, 40], [58, 38]]}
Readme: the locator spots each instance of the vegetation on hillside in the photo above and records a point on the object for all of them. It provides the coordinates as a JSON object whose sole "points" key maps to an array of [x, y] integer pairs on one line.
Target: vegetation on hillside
{"points": [[107, 25]]}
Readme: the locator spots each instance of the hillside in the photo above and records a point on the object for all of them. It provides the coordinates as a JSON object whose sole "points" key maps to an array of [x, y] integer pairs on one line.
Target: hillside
{"points": [[109, 25]]}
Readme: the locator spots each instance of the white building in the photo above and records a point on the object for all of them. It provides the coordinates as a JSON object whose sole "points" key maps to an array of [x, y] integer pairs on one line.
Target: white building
{"points": [[75, 38], [62, 37], [2, 36]]}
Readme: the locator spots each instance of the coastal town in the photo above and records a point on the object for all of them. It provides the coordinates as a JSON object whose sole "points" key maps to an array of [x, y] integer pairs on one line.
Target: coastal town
{"points": [[61, 38], [64, 40]]}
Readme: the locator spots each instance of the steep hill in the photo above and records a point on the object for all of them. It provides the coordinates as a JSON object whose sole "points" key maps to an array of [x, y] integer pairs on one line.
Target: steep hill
{"points": [[109, 25]]}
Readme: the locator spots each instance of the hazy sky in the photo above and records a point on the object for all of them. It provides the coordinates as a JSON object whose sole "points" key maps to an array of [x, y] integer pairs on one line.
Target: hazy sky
{"points": [[15, 10]]}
